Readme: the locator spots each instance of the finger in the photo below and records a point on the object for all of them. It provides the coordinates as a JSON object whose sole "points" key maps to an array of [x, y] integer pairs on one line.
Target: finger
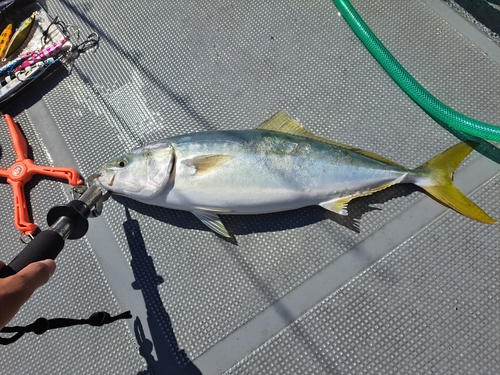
{"points": [[38, 273], [2, 264], [15, 290], [33, 276]]}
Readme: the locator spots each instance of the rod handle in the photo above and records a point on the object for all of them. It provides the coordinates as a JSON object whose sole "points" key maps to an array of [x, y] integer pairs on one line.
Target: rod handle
{"points": [[46, 245]]}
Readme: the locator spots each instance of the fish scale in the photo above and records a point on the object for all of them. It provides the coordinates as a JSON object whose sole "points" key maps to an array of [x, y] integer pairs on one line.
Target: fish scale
{"points": [[265, 163], [277, 167]]}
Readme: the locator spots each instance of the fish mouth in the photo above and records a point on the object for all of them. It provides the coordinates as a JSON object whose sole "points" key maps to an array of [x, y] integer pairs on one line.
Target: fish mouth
{"points": [[105, 178], [93, 179]]}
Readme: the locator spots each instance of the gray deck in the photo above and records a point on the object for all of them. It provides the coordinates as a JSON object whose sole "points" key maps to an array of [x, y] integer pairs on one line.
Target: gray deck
{"points": [[401, 286]]}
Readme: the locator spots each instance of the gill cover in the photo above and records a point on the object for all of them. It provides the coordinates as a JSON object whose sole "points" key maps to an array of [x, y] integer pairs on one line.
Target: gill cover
{"points": [[142, 174]]}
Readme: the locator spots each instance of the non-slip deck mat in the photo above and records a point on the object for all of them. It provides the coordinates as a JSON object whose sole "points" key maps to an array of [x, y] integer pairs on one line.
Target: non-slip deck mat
{"points": [[405, 315], [166, 68]]}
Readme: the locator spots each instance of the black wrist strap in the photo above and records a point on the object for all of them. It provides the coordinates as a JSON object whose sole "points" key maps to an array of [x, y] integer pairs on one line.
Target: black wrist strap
{"points": [[41, 325]]}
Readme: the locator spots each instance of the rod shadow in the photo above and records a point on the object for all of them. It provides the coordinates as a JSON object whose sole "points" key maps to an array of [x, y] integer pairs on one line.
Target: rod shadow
{"points": [[170, 358], [152, 76]]}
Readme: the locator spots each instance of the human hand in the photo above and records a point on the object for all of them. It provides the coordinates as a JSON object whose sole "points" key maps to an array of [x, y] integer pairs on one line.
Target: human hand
{"points": [[15, 290]]}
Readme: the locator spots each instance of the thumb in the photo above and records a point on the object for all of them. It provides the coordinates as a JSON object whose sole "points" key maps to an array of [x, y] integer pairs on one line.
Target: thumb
{"points": [[36, 274], [15, 290]]}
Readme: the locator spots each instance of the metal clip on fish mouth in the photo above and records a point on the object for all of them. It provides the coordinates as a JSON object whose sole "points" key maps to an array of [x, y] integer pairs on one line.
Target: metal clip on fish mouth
{"points": [[78, 191]]}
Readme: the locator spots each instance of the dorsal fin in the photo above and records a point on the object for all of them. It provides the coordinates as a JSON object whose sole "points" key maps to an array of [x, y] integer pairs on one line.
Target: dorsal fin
{"points": [[282, 122]]}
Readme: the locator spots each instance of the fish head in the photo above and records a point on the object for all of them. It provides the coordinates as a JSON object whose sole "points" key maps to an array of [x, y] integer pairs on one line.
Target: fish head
{"points": [[141, 174]]}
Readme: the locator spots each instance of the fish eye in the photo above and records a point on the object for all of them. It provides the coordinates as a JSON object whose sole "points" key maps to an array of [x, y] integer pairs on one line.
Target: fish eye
{"points": [[122, 163]]}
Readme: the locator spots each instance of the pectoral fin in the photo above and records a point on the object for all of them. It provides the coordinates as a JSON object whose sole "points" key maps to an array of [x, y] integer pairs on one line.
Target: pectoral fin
{"points": [[212, 221], [207, 163], [337, 205]]}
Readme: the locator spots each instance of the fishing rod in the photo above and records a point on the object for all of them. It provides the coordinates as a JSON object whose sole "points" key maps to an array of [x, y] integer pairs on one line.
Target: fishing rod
{"points": [[66, 222]]}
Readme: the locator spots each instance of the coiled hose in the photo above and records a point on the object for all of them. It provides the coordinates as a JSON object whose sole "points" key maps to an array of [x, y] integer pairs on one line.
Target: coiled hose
{"points": [[419, 94]]}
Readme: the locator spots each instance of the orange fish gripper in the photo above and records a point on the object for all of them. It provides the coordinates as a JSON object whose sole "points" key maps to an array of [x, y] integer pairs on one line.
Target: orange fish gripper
{"points": [[19, 173]]}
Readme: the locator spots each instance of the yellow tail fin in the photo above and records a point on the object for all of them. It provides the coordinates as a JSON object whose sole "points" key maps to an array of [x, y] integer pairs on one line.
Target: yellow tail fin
{"points": [[437, 179]]}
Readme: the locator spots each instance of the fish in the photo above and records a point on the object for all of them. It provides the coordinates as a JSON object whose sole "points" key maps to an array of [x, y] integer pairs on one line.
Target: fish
{"points": [[277, 167], [5, 38], [20, 35]]}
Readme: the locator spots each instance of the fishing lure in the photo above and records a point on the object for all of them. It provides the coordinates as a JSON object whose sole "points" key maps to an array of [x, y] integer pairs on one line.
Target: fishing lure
{"points": [[20, 35], [9, 68], [51, 50], [13, 83], [5, 39]]}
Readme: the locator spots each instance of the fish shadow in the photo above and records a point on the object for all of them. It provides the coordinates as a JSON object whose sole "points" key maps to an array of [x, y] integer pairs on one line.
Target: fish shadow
{"points": [[273, 222]]}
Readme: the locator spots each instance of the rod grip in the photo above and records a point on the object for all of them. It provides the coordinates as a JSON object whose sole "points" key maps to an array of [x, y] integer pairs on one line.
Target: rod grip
{"points": [[46, 245]]}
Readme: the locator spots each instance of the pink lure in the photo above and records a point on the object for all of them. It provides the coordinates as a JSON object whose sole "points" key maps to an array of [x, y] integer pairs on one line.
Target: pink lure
{"points": [[35, 57]]}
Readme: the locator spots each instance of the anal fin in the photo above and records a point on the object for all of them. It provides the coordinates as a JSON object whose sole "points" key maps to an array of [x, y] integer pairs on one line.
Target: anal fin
{"points": [[212, 221], [337, 205]]}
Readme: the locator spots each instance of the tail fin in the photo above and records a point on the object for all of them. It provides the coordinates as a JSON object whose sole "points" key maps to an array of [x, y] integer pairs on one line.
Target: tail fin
{"points": [[437, 176]]}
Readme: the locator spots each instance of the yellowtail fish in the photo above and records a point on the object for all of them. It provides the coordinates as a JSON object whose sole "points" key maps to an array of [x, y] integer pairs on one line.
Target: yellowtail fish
{"points": [[278, 166], [20, 35], [5, 38]]}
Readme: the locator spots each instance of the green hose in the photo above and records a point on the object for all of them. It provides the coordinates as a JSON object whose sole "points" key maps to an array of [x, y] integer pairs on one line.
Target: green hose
{"points": [[421, 96]]}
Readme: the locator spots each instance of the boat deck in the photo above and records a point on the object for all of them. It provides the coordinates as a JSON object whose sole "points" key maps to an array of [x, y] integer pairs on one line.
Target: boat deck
{"points": [[402, 285]]}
